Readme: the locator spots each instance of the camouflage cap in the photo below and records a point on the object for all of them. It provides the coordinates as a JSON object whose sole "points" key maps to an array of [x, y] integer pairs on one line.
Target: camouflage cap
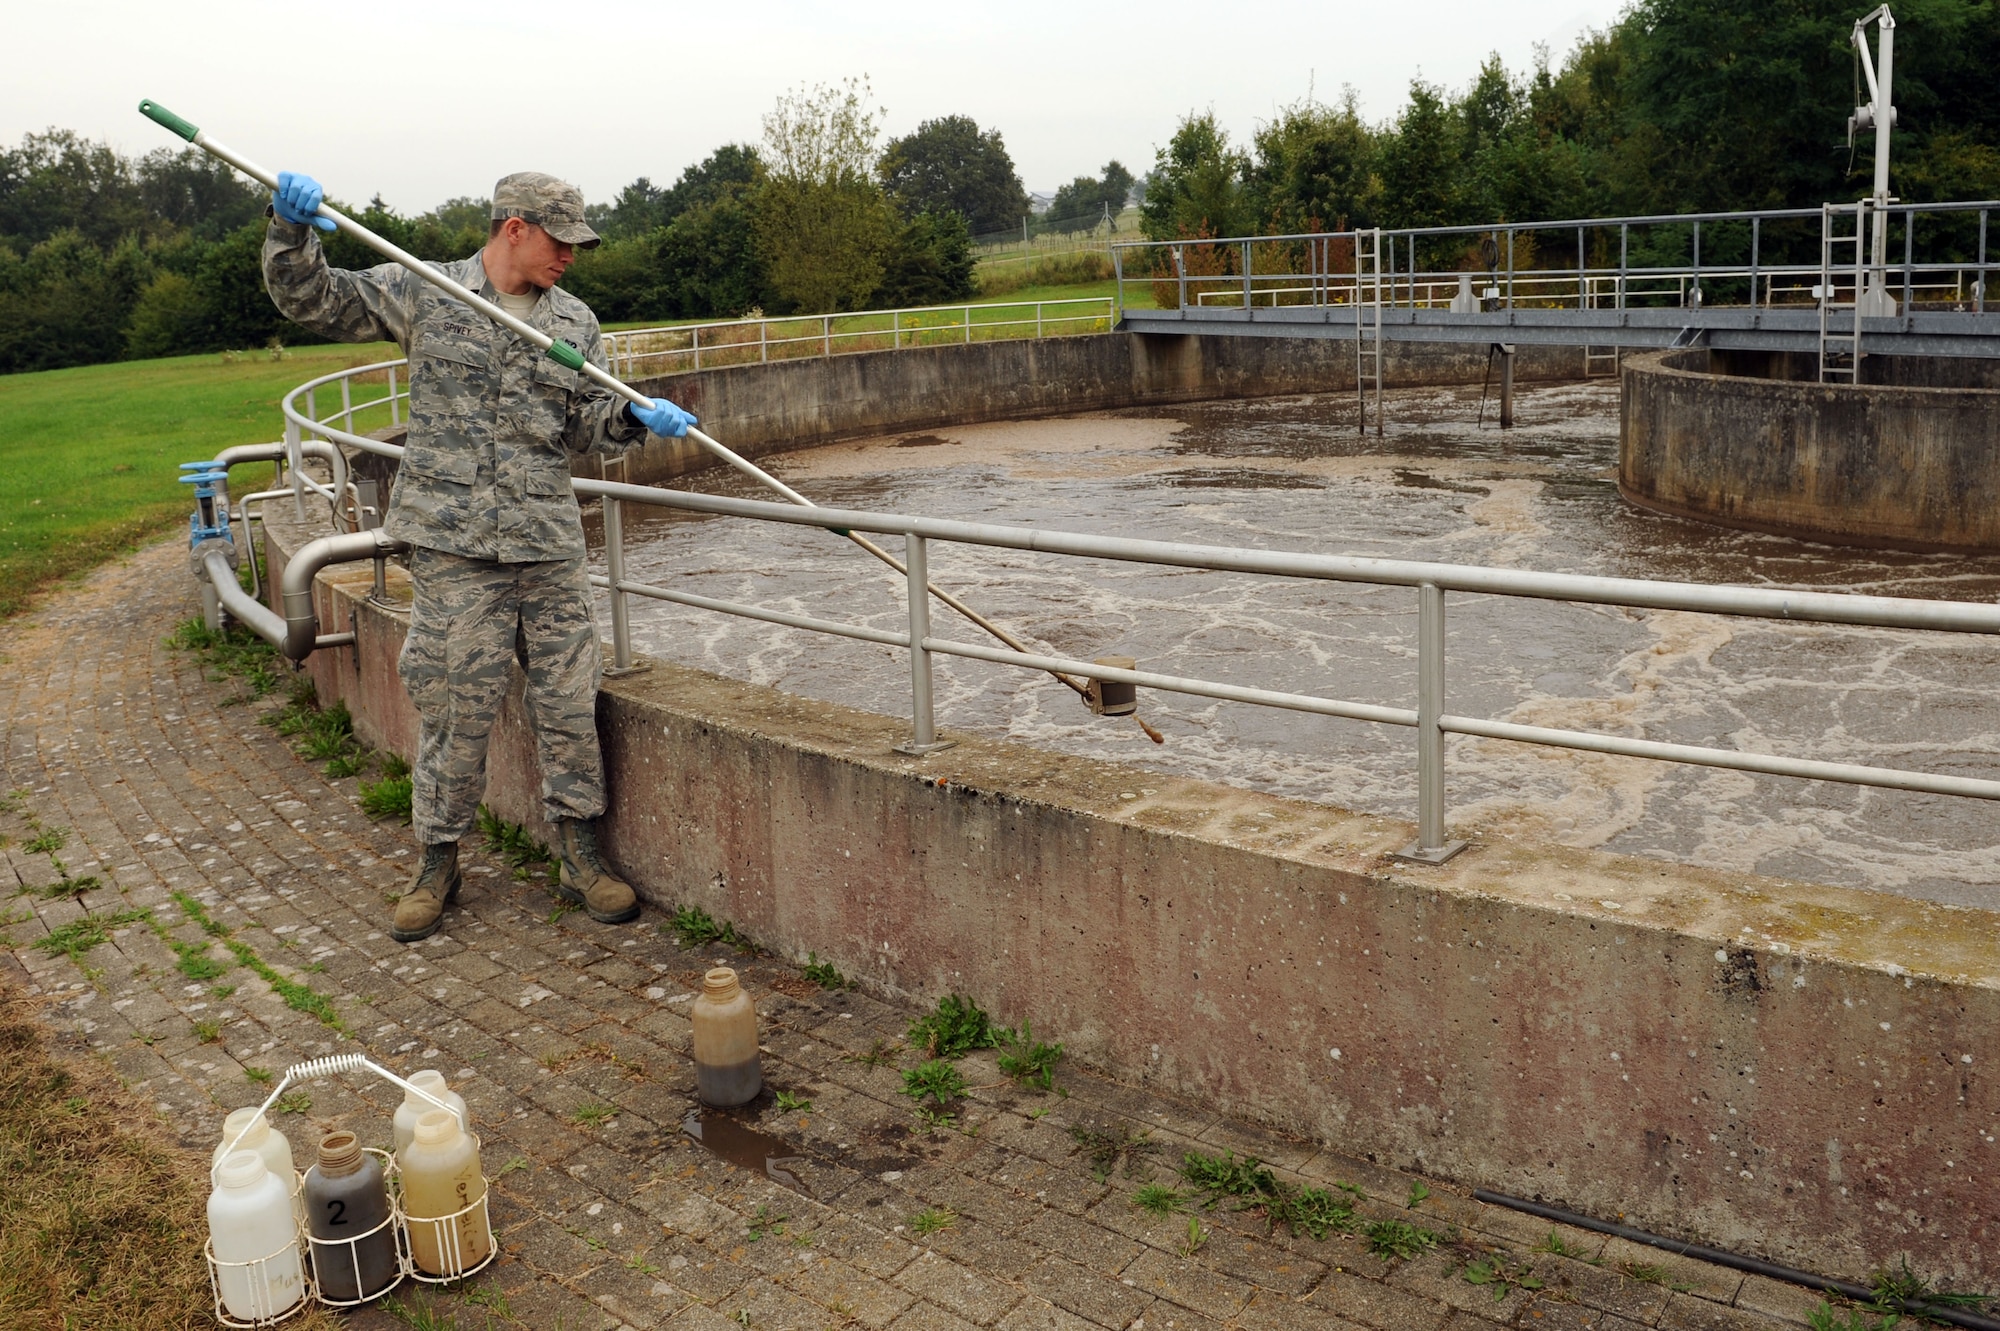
{"points": [[556, 206]]}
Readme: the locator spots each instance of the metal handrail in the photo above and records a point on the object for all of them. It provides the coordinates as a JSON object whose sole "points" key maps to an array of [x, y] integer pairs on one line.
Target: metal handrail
{"points": [[623, 351], [1165, 261], [1431, 581]]}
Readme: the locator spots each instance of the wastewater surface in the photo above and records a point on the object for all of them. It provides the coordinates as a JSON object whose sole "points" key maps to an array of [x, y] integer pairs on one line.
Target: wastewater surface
{"points": [[1292, 474]]}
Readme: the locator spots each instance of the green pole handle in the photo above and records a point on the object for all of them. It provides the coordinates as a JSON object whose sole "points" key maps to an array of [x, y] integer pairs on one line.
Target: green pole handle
{"points": [[153, 111], [562, 353]]}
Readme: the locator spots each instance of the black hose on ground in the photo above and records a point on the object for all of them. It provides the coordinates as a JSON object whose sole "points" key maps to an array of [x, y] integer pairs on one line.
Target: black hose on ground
{"points": [[1737, 1262]]}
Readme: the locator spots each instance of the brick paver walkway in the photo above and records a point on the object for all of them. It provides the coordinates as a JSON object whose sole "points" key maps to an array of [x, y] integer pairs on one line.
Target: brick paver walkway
{"points": [[570, 1043]]}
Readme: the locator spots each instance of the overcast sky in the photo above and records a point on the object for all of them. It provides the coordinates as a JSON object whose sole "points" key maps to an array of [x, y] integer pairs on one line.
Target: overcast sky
{"points": [[425, 100]]}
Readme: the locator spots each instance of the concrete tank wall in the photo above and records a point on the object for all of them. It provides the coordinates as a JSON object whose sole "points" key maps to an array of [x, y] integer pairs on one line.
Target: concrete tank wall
{"points": [[1913, 463], [1792, 1070]]}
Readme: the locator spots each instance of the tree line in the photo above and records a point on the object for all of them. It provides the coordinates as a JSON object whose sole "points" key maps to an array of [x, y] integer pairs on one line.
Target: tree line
{"points": [[1680, 105]]}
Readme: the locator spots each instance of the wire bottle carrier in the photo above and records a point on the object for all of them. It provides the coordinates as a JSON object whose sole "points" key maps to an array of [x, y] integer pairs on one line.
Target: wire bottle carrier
{"points": [[248, 1284]]}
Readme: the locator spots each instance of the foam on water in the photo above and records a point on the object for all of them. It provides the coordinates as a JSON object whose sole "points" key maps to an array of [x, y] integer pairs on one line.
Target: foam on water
{"points": [[1291, 474]]}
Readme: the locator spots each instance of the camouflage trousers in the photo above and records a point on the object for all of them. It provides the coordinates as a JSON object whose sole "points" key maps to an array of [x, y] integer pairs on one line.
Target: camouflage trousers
{"points": [[471, 621]]}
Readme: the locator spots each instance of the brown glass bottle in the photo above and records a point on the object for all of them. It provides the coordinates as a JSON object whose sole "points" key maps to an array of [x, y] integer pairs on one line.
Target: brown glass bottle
{"points": [[346, 1200], [727, 1069]]}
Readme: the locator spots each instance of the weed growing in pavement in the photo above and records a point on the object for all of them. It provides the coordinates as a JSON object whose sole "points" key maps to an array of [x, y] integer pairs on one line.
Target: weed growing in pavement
{"points": [[936, 1080], [1847, 1318], [1903, 1290], [695, 927], [492, 1296], [787, 1103], [1159, 1199], [388, 798], [530, 860], [16, 799], [1504, 1276], [595, 1114], [823, 974], [1218, 1176], [1028, 1061], [208, 1032], [293, 1102], [222, 990], [235, 653], [351, 764], [298, 997], [637, 1261], [75, 939], [1646, 1273], [418, 1316], [1105, 1147], [881, 1054], [954, 1029], [1301, 1210], [763, 1224], [940, 1120], [1399, 1238], [47, 841], [1558, 1246], [262, 1076], [561, 906], [1417, 1193], [513, 1163], [933, 1220], [1196, 1237]]}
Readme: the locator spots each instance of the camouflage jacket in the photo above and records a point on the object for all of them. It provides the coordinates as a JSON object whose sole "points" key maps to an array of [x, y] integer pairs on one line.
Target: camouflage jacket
{"points": [[485, 470]]}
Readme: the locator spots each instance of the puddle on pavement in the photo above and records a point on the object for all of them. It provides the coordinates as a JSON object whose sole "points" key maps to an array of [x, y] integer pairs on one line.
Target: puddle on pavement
{"points": [[746, 1148]]}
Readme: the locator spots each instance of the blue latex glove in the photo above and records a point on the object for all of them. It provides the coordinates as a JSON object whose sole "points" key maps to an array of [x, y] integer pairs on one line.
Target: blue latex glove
{"points": [[663, 418], [297, 200]]}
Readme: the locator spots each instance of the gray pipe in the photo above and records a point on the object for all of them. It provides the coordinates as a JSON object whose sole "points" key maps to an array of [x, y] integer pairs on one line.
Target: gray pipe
{"points": [[299, 632], [259, 618]]}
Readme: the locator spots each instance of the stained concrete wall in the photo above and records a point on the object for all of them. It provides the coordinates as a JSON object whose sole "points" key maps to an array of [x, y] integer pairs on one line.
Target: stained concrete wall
{"points": [[1911, 464], [1792, 1070]]}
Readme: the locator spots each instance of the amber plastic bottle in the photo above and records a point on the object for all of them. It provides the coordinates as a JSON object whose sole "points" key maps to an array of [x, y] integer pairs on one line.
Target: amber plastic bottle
{"points": [[347, 1200], [727, 1069], [441, 1177]]}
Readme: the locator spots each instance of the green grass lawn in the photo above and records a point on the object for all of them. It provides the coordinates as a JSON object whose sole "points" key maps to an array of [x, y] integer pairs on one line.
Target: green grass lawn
{"points": [[89, 457]]}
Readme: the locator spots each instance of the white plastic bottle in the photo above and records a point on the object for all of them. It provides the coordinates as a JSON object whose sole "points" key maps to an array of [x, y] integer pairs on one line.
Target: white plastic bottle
{"points": [[250, 1221], [415, 1107], [441, 1177], [267, 1142]]}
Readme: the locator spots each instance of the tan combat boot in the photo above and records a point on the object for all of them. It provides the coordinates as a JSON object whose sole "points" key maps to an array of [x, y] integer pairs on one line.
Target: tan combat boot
{"points": [[421, 907], [586, 880]]}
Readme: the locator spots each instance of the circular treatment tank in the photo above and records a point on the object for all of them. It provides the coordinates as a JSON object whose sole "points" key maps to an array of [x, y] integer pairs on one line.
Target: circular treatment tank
{"points": [[1289, 473], [1907, 459]]}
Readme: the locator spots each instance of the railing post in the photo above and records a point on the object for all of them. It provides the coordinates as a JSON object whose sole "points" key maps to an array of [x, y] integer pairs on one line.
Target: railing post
{"points": [[1756, 224], [1038, 318], [1979, 296], [395, 407], [968, 325], [923, 729], [293, 459], [1624, 251], [763, 341], [1909, 253], [697, 346], [614, 568], [1248, 295], [1180, 275], [1510, 267], [1430, 846], [896, 329], [826, 334]]}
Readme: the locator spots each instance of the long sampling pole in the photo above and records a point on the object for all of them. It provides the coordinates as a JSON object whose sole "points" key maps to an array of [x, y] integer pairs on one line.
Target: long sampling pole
{"points": [[564, 354]]}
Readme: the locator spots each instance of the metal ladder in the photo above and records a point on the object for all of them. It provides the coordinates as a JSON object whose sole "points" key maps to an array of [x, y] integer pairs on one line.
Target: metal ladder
{"points": [[1598, 362], [1368, 325], [1840, 353]]}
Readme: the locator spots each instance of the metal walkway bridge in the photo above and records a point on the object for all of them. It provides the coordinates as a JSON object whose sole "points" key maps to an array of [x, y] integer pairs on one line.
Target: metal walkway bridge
{"points": [[1789, 280]]}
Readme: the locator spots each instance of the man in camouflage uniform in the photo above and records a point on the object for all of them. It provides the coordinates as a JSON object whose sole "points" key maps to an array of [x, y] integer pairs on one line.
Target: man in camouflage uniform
{"points": [[483, 497]]}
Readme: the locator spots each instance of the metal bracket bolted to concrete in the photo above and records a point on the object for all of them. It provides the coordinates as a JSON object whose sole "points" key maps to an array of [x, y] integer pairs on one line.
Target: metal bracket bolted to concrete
{"points": [[923, 750], [1416, 854]]}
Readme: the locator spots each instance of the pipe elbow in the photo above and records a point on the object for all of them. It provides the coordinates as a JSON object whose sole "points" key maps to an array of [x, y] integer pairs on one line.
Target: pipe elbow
{"points": [[296, 586]]}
